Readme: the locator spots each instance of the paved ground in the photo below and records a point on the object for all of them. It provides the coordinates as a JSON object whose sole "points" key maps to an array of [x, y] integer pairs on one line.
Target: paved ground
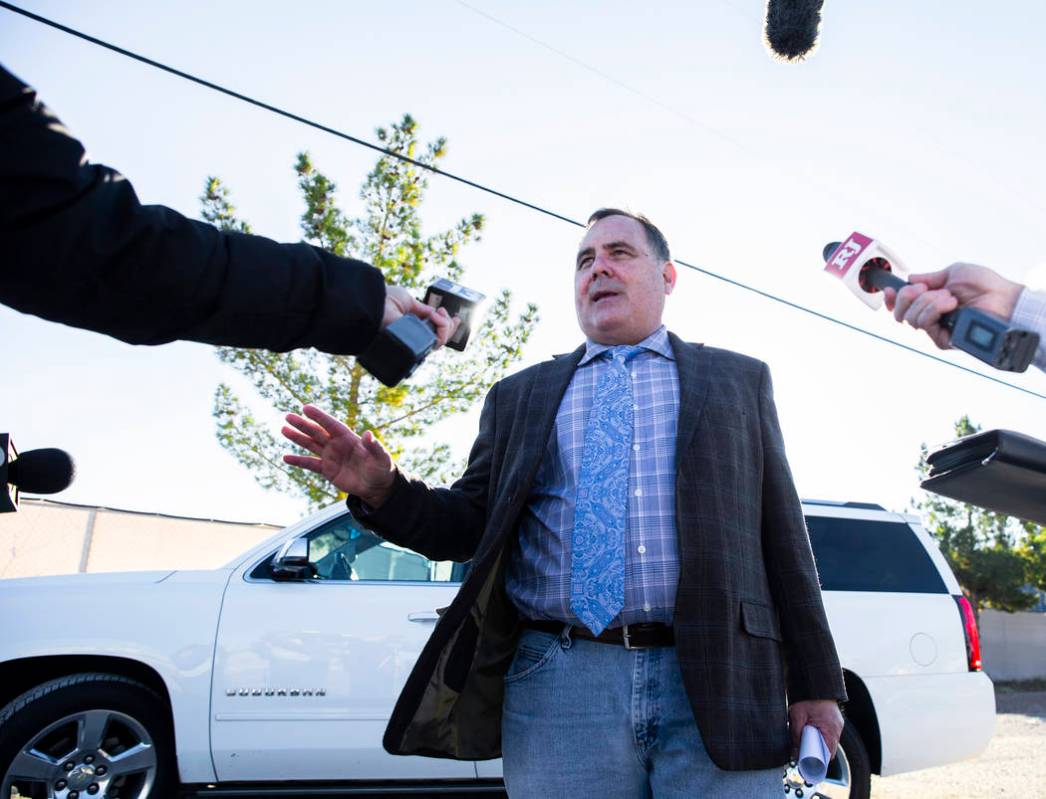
{"points": [[1016, 759]]}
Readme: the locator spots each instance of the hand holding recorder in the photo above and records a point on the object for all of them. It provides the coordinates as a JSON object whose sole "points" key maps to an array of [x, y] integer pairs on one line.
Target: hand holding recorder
{"points": [[413, 329], [964, 306], [932, 295]]}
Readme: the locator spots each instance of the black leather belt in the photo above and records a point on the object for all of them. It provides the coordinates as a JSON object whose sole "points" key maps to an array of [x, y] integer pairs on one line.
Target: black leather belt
{"points": [[631, 636]]}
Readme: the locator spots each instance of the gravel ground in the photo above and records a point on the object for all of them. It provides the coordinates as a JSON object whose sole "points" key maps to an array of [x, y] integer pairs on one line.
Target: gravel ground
{"points": [[1013, 765]]}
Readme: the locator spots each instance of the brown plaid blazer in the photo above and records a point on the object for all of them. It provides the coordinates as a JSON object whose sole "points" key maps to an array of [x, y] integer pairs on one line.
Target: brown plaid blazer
{"points": [[749, 623]]}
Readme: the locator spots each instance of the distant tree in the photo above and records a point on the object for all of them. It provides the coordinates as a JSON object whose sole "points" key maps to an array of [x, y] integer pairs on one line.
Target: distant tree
{"points": [[387, 234], [985, 549], [1033, 550]]}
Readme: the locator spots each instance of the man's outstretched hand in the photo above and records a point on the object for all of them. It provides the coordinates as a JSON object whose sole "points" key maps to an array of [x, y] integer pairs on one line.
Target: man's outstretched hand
{"points": [[357, 465], [823, 714]]}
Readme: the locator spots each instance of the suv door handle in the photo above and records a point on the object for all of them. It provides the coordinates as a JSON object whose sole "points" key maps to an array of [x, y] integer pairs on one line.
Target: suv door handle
{"points": [[423, 615]]}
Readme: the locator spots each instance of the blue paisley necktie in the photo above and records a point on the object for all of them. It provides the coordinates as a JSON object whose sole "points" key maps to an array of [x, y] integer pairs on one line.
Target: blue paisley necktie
{"points": [[597, 573]]}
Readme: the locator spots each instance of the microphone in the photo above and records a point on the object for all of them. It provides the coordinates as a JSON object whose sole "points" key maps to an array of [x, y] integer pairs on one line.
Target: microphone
{"points": [[792, 27], [38, 471], [401, 347], [866, 267]]}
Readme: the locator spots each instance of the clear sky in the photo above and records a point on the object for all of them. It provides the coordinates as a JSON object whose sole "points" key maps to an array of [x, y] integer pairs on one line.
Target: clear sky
{"points": [[921, 125]]}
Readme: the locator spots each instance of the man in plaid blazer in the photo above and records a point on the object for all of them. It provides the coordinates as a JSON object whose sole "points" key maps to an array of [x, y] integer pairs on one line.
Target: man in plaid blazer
{"points": [[719, 651]]}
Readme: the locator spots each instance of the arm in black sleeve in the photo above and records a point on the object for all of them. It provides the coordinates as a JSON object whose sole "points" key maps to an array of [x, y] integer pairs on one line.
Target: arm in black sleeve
{"points": [[77, 247]]}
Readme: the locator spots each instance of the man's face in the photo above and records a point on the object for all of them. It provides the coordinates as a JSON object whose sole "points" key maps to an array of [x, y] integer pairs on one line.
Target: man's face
{"points": [[619, 284]]}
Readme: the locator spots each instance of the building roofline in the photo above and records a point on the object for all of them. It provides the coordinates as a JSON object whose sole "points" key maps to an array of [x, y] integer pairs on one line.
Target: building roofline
{"points": [[56, 503]]}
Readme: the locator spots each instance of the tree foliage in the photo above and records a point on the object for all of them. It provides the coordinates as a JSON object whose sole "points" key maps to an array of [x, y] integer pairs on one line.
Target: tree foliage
{"points": [[388, 234], [1033, 550], [993, 555]]}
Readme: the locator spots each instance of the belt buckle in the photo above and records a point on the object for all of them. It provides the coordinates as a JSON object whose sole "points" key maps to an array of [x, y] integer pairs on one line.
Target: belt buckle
{"points": [[627, 638]]}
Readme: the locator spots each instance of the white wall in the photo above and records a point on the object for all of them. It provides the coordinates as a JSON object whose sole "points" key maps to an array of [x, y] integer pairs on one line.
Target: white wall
{"points": [[1013, 645], [46, 537]]}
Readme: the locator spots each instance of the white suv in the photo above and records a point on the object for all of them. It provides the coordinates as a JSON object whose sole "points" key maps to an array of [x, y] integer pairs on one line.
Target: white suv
{"points": [[275, 674]]}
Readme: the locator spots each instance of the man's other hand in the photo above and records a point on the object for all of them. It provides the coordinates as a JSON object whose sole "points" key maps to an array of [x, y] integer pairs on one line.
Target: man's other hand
{"points": [[357, 465], [934, 294], [820, 713], [399, 301]]}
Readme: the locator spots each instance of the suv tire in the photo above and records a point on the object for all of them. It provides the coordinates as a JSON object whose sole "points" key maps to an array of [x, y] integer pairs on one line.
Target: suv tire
{"points": [[860, 767], [94, 733]]}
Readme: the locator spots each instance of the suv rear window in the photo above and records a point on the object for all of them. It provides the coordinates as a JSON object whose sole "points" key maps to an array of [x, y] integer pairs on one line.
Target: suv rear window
{"points": [[861, 555]]}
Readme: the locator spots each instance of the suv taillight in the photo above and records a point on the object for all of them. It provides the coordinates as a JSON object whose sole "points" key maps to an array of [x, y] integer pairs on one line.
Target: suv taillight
{"points": [[969, 628]]}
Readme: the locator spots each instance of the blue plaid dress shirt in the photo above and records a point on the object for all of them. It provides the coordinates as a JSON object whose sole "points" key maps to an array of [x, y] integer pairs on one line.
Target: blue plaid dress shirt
{"points": [[538, 579], [1030, 313]]}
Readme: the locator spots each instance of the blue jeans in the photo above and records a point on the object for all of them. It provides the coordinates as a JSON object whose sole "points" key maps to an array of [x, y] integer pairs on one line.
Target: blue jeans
{"points": [[583, 719]]}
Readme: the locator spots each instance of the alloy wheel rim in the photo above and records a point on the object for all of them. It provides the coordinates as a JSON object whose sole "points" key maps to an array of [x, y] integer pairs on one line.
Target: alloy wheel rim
{"points": [[835, 786], [97, 752]]}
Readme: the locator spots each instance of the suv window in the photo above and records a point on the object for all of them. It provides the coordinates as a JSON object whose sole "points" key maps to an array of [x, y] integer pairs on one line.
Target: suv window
{"points": [[862, 555], [344, 550]]}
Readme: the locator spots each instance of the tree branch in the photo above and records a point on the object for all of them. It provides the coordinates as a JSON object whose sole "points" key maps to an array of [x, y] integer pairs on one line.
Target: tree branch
{"points": [[254, 358]]}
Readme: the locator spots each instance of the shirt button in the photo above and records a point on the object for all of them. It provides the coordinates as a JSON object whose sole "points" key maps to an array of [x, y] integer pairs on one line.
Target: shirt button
{"points": [[635, 407], [635, 447], [641, 549], [646, 607], [639, 492]]}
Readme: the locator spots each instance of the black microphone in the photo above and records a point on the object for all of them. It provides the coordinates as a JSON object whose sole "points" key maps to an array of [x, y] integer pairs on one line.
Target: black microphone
{"points": [[38, 471], [792, 27]]}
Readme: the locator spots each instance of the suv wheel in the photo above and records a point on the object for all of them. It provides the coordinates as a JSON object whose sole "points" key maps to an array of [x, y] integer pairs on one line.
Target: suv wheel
{"points": [[87, 735], [849, 773]]}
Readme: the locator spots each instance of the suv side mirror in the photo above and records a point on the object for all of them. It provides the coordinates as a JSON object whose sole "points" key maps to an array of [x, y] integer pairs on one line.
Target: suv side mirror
{"points": [[292, 561]]}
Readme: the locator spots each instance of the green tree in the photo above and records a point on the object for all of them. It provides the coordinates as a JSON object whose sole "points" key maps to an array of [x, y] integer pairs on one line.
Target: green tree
{"points": [[1033, 550], [388, 234], [984, 548]]}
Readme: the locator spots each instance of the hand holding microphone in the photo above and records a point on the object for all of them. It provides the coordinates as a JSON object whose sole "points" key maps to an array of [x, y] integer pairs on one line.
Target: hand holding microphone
{"points": [[932, 295], [399, 301], [973, 318], [412, 329]]}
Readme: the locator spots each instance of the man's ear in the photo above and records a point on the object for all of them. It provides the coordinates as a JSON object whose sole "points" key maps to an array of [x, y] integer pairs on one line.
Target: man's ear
{"points": [[668, 272]]}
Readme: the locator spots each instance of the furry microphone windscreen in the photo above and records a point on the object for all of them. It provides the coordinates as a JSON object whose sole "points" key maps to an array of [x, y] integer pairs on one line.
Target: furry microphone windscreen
{"points": [[792, 27], [42, 471]]}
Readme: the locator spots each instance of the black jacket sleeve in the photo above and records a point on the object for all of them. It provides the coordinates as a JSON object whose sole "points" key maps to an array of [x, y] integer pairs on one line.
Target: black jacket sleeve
{"points": [[77, 247]]}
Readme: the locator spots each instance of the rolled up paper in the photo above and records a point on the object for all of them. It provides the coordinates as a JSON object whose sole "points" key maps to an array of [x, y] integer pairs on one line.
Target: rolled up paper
{"points": [[813, 756]]}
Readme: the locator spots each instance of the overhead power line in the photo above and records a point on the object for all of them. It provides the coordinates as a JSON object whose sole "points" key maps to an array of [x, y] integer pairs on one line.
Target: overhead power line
{"points": [[798, 175], [279, 111], [939, 145], [487, 189]]}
